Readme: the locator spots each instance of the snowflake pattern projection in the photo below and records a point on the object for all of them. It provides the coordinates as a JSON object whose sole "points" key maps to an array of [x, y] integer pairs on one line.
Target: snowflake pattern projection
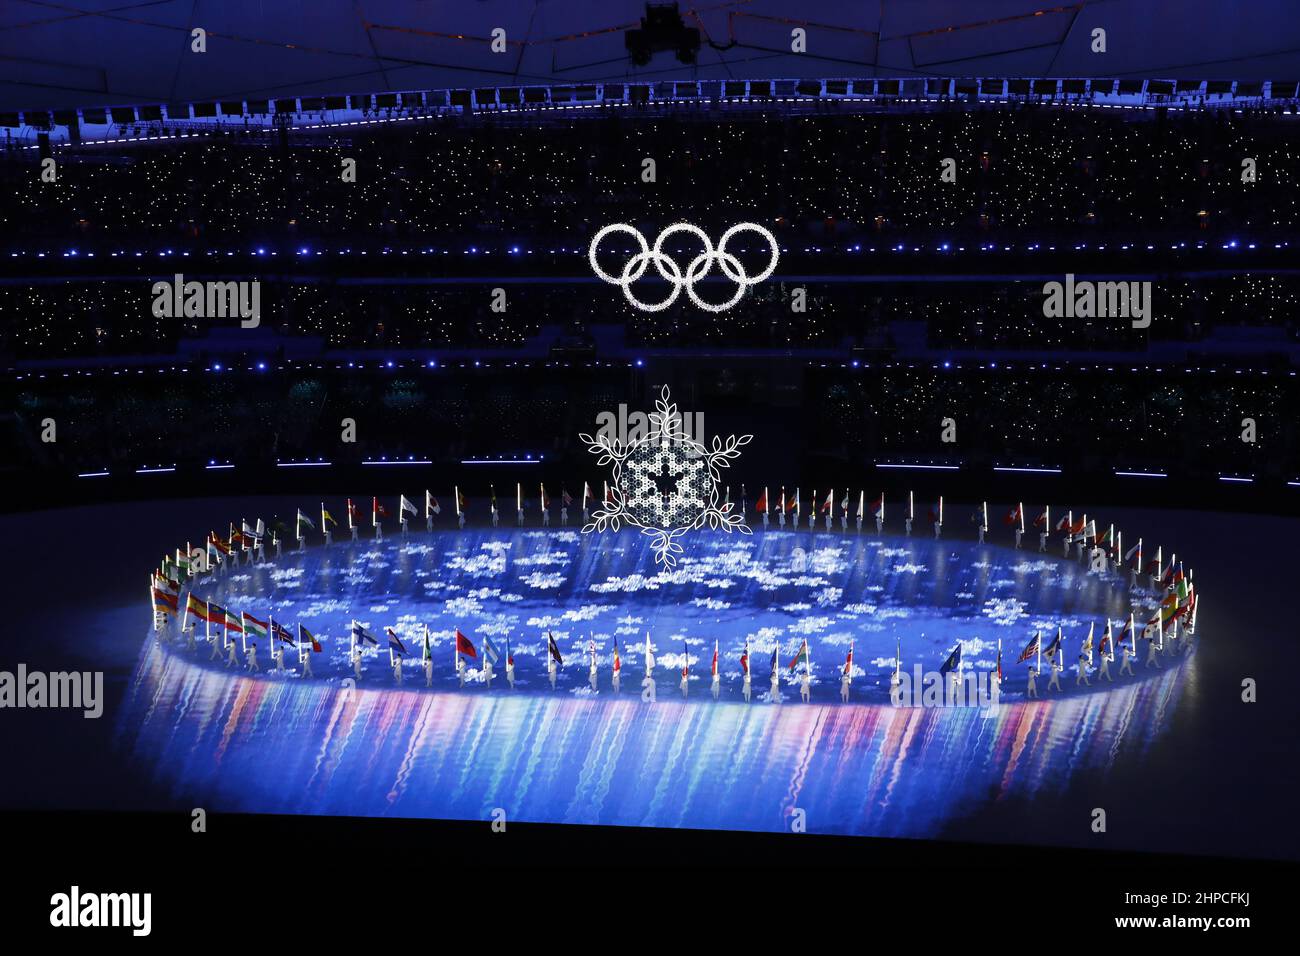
{"points": [[666, 483]]}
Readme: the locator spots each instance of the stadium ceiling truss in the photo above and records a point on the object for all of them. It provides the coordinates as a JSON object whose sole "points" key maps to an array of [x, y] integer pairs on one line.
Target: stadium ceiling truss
{"points": [[108, 69], [349, 113]]}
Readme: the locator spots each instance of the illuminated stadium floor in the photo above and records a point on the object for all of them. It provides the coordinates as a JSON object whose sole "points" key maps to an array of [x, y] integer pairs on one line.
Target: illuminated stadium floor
{"points": [[776, 587], [283, 744], [1165, 753]]}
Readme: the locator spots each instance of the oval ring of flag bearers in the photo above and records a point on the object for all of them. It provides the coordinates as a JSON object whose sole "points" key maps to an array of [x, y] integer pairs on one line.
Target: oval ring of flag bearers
{"points": [[230, 635]]}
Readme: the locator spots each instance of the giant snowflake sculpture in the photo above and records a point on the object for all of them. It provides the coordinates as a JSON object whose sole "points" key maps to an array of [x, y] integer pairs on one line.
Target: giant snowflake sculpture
{"points": [[666, 483]]}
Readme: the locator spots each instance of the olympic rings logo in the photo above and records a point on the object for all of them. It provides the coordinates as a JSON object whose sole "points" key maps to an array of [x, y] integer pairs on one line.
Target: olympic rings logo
{"points": [[672, 273]]}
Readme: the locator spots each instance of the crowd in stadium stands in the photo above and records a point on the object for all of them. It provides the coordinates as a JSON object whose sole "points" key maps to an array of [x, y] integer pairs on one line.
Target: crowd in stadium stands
{"points": [[1018, 171], [1080, 416], [72, 318]]}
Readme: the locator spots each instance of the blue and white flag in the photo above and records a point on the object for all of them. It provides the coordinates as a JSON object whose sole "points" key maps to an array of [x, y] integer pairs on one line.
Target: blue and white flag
{"points": [[362, 635], [490, 652]]}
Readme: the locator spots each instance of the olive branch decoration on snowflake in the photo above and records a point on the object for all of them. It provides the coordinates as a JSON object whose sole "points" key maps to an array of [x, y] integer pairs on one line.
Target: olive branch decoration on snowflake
{"points": [[666, 483]]}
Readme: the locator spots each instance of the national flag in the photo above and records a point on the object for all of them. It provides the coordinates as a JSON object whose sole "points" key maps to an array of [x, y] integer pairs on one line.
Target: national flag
{"points": [[215, 540], [780, 504], [999, 660], [1134, 554], [510, 657], [281, 633], [394, 642], [844, 502], [197, 607], [566, 499], [1055, 646], [794, 506], [361, 634], [1014, 516], [1130, 631], [609, 494], [404, 505], [801, 655], [464, 645], [760, 507], [490, 652], [936, 511], [744, 658], [775, 651], [251, 533], [1031, 649], [1043, 518], [431, 506], [686, 661], [714, 669], [354, 514], [1106, 648], [307, 637], [829, 503], [428, 652], [492, 499], [326, 519], [1169, 607], [303, 519], [618, 659], [848, 662], [1065, 523], [164, 602], [586, 495], [1107, 538], [1077, 529], [377, 511], [461, 501], [228, 619], [553, 648], [953, 662], [878, 506], [252, 626], [544, 497]]}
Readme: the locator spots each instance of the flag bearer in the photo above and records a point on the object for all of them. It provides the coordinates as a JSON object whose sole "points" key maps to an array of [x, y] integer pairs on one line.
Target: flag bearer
{"points": [[1055, 679], [1152, 651], [1031, 687], [232, 653], [1081, 675], [1126, 660], [253, 666]]}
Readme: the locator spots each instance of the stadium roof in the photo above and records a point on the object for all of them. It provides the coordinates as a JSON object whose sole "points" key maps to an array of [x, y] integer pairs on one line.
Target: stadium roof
{"points": [[76, 53]]}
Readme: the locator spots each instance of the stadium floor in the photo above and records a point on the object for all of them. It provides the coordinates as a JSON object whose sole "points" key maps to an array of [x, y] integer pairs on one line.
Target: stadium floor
{"points": [[182, 733]]}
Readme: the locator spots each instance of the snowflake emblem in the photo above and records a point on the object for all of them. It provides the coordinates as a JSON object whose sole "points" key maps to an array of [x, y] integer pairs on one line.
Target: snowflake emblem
{"points": [[666, 483]]}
